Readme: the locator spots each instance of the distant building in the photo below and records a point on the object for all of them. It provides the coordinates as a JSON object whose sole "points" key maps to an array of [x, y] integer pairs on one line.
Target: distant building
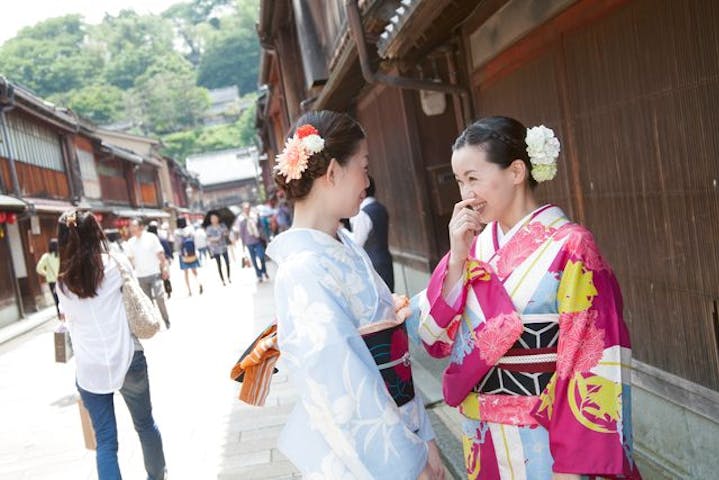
{"points": [[228, 177], [225, 106]]}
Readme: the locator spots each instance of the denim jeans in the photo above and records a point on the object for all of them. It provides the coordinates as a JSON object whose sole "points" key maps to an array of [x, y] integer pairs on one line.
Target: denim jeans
{"points": [[136, 392], [257, 252]]}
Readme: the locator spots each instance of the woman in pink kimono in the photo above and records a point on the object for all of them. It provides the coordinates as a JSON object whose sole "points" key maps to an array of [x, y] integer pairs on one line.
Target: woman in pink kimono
{"points": [[530, 315]]}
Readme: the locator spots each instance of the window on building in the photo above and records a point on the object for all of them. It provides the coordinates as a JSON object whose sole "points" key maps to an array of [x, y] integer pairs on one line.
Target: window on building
{"points": [[33, 144], [88, 172]]}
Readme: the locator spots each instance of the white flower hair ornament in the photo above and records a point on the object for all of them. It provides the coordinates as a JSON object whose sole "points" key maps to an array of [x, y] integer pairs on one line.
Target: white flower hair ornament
{"points": [[543, 149], [294, 159]]}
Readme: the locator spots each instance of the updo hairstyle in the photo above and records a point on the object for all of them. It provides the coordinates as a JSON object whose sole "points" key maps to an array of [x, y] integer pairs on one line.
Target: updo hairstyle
{"points": [[341, 134], [503, 138]]}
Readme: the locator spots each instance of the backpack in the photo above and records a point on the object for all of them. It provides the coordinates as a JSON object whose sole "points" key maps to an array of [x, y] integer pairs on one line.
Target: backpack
{"points": [[187, 250]]}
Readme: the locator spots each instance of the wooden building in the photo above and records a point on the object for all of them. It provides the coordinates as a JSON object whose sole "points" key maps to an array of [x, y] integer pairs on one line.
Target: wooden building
{"points": [[34, 167], [631, 87], [51, 161], [227, 177]]}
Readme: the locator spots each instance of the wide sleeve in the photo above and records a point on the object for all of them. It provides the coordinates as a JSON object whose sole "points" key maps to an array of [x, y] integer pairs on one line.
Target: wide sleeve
{"points": [[437, 319], [338, 383], [586, 405]]}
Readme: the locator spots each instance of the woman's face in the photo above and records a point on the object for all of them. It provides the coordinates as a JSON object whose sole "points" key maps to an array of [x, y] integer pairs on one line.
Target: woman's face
{"points": [[352, 181], [478, 178], [214, 220]]}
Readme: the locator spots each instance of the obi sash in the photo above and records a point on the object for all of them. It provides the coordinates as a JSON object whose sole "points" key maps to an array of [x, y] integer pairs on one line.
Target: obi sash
{"points": [[390, 350]]}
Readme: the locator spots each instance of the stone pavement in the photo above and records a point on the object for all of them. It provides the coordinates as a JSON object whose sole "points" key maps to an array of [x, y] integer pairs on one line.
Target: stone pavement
{"points": [[207, 432]]}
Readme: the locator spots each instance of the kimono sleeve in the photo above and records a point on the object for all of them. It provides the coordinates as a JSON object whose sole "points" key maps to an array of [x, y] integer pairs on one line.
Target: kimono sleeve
{"points": [[337, 379], [438, 320], [586, 406]]}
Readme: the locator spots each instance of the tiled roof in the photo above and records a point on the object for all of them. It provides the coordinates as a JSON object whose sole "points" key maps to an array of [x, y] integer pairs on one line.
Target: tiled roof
{"points": [[224, 166]]}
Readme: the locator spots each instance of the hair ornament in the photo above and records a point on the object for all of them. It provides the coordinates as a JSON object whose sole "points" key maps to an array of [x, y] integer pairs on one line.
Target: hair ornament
{"points": [[71, 219], [543, 148], [294, 159]]}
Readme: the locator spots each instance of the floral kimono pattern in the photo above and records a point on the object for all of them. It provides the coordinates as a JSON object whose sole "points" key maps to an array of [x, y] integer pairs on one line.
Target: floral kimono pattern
{"points": [[346, 425], [539, 353]]}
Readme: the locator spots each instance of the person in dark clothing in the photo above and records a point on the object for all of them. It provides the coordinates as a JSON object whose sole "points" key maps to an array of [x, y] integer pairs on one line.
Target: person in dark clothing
{"points": [[370, 230]]}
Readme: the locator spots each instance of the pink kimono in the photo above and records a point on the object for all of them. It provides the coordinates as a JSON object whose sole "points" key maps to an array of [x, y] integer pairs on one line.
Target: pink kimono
{"points": [[539, 353]]}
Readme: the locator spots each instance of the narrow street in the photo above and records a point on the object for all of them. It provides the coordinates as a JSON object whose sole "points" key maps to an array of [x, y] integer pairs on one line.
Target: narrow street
{"points": [[207, 432]]}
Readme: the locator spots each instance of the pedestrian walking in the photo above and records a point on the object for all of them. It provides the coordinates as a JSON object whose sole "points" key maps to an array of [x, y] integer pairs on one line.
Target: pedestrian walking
{"points": [[49, 267], [148, 257], [354, 420], [201, 243], [114, 240], [530, 314], [218, 237], [251, 236], [169, 254], [370, 230], [189, 261], [108, 357]]}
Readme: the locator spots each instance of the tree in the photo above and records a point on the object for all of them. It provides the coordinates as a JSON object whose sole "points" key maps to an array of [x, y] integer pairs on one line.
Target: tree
{"points": [[100, 103], [167, 97], [51, 57], [232, 52]]}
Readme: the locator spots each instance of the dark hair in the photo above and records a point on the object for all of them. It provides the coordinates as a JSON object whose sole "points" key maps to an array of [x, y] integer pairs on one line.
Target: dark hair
{"points": [[52, 246], [81, 242], [181, 222], [503, 138], [371, 188], [341, 134], [152, 228]]}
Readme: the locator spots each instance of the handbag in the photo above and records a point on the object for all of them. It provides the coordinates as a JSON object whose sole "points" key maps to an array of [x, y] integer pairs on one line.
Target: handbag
{"points": [[142, 314], [88, 432], [255, 367], [63, 345]]}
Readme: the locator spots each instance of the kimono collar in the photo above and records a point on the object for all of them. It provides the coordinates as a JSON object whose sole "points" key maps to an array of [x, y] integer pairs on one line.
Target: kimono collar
{"points": [[546, 214], [300, 240]]}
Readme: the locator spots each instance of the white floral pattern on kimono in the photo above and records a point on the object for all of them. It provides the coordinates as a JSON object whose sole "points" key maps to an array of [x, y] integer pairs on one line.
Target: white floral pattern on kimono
{"points": [[346, 425]]}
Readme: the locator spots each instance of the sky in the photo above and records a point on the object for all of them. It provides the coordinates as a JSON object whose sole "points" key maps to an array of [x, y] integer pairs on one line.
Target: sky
{"points": [[24, 13]]}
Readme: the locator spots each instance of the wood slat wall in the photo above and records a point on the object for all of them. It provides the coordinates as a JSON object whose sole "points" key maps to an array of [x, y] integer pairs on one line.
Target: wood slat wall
{"points": [[634, 97], [36, 181], [382, 114]]}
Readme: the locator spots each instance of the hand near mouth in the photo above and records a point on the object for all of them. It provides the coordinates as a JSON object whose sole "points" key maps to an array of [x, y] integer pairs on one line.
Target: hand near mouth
{"points": [[464, 225]]}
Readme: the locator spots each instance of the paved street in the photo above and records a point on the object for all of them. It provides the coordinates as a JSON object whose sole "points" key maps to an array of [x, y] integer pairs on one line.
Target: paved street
{"points": [[207, 432]]}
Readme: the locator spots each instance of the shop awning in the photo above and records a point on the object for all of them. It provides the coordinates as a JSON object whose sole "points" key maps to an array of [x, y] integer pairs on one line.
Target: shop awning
{"points": [[11, 204], [47, 205], [122, 153], [141, 212]]}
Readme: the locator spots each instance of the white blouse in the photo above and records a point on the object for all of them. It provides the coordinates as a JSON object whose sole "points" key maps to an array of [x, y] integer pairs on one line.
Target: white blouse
{"points": [[100, 334]]}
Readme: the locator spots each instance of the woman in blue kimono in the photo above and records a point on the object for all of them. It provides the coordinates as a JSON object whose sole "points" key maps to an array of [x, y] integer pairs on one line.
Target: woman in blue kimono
{"points": [[357, 416]]}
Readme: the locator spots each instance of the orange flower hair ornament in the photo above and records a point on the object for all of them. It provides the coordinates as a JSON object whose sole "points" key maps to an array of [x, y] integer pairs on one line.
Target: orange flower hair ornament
{"points": [[293, 160]]}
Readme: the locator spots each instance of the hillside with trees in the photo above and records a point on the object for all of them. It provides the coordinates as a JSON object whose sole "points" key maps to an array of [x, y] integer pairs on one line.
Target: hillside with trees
{"points": [[150, 72]]}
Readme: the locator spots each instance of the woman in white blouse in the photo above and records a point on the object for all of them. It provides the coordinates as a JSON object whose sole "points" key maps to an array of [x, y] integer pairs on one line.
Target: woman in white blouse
{"points": [[108, 357]]}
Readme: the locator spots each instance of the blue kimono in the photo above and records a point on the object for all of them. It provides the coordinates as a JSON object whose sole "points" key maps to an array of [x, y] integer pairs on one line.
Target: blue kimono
{"points": [[345, 425]]}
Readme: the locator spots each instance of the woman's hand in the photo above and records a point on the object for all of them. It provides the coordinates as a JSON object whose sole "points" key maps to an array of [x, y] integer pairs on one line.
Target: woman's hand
{"points": [[464, 225], [435, 468], [565, 476]]}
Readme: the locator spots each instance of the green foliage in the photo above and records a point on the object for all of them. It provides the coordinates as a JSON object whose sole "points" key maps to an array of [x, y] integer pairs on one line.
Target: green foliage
{"points": [[148, 68], [50, 57], [100, 103], [216, 137], [232, 58]]}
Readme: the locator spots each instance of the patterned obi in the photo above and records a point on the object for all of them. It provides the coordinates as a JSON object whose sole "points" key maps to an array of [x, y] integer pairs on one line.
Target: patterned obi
{"points": [[528, 366], [390, 351]]}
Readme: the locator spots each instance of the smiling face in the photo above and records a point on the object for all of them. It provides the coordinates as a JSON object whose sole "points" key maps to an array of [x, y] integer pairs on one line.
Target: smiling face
{"points": [[493, 186], [351, 181]]}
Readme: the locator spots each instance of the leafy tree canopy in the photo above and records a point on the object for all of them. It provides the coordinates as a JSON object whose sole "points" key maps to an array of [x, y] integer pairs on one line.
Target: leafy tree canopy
{"points": [[151, 69]]}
